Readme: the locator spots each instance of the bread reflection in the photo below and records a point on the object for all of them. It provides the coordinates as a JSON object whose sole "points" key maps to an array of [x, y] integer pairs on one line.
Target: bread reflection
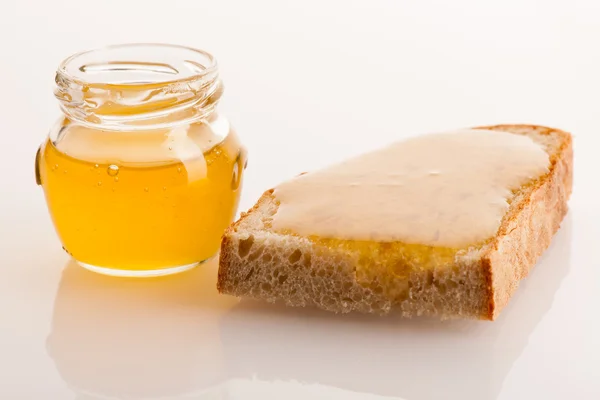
{"points": [[414, 359], [137, 338]]}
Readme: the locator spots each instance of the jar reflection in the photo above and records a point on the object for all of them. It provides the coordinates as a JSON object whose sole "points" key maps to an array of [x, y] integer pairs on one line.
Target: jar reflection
{"points": [[126, 338]]}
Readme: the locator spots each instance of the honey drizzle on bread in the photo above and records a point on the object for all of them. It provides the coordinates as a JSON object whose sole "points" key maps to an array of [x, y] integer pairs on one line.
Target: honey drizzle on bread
{"points": [[448, 190]]}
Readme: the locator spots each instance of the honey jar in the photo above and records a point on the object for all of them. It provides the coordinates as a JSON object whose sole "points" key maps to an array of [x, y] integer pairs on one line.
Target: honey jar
{"points": [[141, 173]]}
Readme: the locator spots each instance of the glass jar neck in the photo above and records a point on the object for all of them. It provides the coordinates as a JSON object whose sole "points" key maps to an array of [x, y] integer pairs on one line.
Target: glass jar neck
{"points": [[138, 87]]}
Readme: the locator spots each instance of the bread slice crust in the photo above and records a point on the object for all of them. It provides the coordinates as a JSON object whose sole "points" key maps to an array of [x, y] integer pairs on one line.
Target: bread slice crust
{"points": [[344, 276]]}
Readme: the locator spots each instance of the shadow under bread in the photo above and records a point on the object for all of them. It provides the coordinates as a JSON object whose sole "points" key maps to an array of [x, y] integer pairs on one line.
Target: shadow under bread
{"points": [[138, 338], [417, 359]]}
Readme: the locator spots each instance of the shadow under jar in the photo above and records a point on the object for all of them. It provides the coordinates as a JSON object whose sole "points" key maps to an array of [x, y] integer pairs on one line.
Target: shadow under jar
{"points": [[141, 174]]}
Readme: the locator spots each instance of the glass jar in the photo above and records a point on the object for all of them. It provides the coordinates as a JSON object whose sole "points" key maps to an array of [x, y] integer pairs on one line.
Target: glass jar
{"points": [[141, 173]]}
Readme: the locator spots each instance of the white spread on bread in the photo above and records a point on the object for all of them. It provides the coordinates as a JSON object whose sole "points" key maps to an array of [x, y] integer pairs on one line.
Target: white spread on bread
{"points": [[445, 189]]}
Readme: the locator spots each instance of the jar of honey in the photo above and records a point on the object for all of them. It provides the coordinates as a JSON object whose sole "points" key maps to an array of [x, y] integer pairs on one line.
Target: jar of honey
{"points": [[141, 174]]}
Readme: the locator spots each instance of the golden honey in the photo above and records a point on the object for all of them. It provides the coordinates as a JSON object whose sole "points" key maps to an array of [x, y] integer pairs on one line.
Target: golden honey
{"points": [[139, 217], [141, 178]]}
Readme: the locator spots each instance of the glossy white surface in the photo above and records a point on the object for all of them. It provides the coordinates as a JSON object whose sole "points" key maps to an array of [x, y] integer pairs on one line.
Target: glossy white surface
{"points": [[306, 84]]}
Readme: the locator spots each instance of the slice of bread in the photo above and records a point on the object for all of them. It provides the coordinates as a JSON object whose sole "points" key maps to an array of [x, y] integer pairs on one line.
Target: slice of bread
{"points": [[347, 275]]}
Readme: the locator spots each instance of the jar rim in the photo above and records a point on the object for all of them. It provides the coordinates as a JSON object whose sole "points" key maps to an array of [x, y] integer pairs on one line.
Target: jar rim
{"points": [[138, 86], [168, 63]]}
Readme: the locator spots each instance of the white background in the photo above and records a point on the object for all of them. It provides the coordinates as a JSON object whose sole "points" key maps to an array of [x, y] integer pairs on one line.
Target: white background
{"points": [[307, 83]]}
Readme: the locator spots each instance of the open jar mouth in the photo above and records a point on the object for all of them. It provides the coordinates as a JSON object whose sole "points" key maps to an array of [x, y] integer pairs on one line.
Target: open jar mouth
{"points": [[138, 64], [138, 85]]}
